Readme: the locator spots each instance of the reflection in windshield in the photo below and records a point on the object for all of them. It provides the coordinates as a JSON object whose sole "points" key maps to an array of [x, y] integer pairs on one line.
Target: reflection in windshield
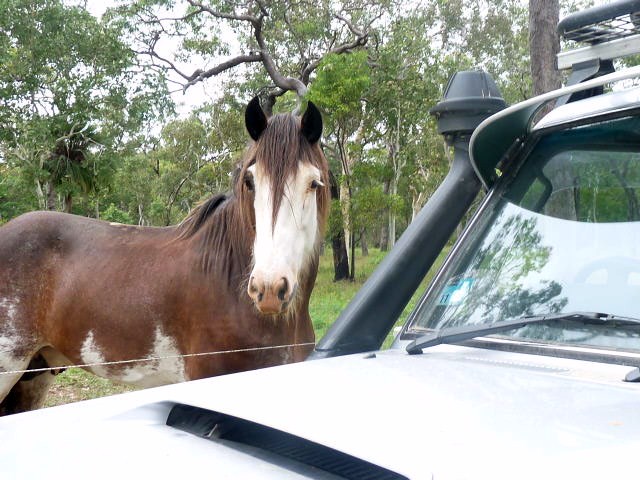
{"points": [[502, 280], [563, 236]]}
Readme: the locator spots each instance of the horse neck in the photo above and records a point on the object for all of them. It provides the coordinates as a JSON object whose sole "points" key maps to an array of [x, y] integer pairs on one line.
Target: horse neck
{"points": [[222, 247]]}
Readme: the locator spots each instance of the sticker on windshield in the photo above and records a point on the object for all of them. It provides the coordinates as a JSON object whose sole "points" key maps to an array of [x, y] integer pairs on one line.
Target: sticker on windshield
{"points": [[455, 293]]}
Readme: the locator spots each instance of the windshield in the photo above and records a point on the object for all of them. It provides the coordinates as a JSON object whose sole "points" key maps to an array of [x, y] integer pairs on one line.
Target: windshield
{"points": [[563, 235]]}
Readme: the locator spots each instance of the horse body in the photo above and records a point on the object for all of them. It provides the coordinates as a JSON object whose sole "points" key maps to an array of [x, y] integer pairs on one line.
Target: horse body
{"points": [[79, 291]]}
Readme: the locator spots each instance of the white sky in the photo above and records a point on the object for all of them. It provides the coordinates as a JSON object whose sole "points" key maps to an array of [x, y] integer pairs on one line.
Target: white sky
{"points": [[196, 95]]}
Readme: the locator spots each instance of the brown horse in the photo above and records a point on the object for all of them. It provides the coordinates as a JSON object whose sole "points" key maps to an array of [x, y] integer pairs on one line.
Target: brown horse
{"points": [[237, 273]]}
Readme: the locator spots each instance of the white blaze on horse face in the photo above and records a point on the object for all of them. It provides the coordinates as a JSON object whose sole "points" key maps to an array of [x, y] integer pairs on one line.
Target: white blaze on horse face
{"points": [[282, 249]]}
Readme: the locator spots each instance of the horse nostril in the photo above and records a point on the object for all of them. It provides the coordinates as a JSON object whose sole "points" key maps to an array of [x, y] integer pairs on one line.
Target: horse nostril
{"points": [[284, 288], [260, 295]]}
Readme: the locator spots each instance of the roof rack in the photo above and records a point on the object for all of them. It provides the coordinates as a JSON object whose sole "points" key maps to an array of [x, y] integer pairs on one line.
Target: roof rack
{"points": [[602, 23], [602, 33], [609, 31]]}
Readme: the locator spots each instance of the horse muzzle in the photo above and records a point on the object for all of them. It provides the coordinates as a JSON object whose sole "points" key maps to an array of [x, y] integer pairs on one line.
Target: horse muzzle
{"points": [[271, 297]]}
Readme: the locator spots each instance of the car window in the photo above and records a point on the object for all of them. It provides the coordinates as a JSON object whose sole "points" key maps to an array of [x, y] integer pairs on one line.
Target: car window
{"points": [[563, 236]]}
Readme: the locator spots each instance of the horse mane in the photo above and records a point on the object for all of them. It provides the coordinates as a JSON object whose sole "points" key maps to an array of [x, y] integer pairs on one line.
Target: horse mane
{"points": [[199, 215], [221, 239]]}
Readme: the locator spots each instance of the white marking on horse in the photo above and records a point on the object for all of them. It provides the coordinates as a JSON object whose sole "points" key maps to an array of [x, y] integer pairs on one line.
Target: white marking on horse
{"points": [[9, 336], [90, 353], [10, 342], [168, 366], [282, 250]]}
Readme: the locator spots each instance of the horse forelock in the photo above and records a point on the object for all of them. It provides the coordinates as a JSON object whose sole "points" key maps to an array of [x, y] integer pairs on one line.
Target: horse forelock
{"points": [[278, 151]]}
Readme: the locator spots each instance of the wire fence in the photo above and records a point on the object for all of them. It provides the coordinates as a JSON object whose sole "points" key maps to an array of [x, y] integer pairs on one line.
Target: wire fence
{"points": [[155, 359]]}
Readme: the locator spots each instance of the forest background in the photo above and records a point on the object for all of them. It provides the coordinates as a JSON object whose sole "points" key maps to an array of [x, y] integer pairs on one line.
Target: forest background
{"points": [[91, 121]]}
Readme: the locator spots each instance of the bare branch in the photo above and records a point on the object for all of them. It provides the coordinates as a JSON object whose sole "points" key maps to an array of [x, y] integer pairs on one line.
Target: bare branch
{"points": [[256, 13], [227, 16], [285, 83], [158, 20], [356, 31], [200, 75]]}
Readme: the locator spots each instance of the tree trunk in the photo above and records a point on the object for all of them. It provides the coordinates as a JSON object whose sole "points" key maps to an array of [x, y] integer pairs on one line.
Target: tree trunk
{"points": [[345, 207], [42, 199], [391, 230], [384, 231], [417, 201], [544, 45], [67, 203], [363, 243], [338, 244], [52, 197], [393, 192], [340, 261], [352, 274], [345, 189], [397, 165], [140, 215]]}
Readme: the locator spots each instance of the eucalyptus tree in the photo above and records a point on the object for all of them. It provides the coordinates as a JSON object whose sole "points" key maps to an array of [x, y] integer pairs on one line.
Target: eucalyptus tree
{"points": [[191, 159], [544, 44], [339, 88], [70, 97], [417, 51], [286, 40], [498, 41], [406, 76]]}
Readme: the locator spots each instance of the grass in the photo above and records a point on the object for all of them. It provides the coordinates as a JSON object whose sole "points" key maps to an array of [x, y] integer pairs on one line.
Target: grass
{"points": [[75, 384], [329, 298]]}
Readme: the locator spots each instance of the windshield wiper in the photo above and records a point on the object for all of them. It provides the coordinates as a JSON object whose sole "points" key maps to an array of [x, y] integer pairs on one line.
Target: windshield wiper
{"points": [[459, 334]]}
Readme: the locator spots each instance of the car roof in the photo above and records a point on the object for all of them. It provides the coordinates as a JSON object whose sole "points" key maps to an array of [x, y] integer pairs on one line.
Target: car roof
{"points": [[497, 135]]}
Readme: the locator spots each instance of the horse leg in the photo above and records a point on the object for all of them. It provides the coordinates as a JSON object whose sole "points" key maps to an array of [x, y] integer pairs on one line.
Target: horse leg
{"points": [[30, 391]]}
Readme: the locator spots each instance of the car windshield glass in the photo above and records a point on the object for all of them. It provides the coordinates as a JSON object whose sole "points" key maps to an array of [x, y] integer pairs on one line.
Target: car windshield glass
{"points": [[563, 235]]}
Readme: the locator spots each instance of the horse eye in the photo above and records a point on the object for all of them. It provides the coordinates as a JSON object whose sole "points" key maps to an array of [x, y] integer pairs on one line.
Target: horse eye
{"points": [[315, 184], [248, 182]]}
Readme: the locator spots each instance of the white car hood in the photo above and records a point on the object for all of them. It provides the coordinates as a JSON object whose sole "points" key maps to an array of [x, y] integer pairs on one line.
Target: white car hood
{"points": [[450, 413]]}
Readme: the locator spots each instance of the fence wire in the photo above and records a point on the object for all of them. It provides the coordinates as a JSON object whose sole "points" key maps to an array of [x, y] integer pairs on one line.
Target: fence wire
{"points": [[155, 359]]}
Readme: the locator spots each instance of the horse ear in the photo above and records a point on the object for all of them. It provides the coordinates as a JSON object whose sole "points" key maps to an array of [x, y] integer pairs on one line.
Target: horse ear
{"points": [[312, 123], [255, 119]]}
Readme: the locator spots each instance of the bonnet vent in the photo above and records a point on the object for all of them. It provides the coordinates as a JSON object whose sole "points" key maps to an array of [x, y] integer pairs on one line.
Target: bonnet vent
{"points": [[236, 431]]}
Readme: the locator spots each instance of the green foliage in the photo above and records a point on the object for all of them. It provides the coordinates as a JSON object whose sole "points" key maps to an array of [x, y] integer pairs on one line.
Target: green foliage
{"points": [[69, 96], [114, 214], [16, 196], [192, 160], [340, 83]]}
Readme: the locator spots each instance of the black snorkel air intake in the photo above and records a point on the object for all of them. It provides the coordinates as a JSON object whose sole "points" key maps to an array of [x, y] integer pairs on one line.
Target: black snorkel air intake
{"points": [[363, 325]]}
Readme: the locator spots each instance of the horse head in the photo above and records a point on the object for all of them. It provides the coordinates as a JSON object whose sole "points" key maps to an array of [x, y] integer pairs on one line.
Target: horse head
{"points": [[284, 185]]}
